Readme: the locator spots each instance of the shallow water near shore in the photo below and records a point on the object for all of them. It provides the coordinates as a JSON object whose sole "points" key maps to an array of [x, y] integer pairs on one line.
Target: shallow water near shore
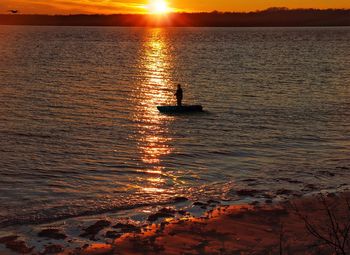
{"points": [[80, 133]]}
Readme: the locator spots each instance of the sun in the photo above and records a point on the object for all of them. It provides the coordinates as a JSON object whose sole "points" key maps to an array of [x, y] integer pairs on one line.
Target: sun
{"points": [[158, 7]]}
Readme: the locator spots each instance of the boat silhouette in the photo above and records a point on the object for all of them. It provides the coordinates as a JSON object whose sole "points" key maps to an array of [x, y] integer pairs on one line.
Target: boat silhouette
{"points": [[170, 109]]}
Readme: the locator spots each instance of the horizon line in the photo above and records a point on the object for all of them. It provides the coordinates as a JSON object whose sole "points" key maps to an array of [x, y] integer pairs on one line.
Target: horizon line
{"points": [[270, 9]]}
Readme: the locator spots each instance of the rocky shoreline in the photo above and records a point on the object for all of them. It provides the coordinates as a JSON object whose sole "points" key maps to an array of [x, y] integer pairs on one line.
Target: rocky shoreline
{"points": [[223, 229]]}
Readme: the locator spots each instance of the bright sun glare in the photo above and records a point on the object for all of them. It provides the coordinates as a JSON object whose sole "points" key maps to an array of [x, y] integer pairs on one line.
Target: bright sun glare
{"points": [[158, 7]]}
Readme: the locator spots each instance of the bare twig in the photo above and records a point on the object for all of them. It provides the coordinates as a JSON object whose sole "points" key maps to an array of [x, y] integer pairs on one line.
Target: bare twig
{"points": [[336, 234]]}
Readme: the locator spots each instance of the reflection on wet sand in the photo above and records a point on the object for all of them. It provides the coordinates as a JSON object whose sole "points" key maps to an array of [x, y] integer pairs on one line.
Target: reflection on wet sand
{"points": [[155, 89]]}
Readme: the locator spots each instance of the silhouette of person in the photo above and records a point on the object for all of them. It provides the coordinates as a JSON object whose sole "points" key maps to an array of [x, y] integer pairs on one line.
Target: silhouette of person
{"points": [[179, 95]]}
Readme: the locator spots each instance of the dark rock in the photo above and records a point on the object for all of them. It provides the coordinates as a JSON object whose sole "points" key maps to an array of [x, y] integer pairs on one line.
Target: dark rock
{"points": [[287, 180], [93, 230], [182, 212], [311, 186], [247, 192], [113, 234], [284, 192], [15, 245], [167, 210], [293, 181], [343, 167], [158, 215], [249, 180], [327, 173], [126, 228], [199, 204], [52, 233], [53, 249], [162, 213], [211, 201], [180, 199], [268, 196], [18, 246]]}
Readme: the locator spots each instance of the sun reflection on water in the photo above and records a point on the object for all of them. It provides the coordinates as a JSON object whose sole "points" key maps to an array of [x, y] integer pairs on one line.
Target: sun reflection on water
{"points": [[156, 89]]}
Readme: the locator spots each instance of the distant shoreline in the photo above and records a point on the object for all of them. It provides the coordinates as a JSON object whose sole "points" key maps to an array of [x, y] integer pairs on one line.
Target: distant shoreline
{"points": [[274, 17]]}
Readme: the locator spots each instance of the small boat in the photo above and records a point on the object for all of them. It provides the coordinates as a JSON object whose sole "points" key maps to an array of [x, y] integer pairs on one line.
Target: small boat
{"points": [[180, 109]]}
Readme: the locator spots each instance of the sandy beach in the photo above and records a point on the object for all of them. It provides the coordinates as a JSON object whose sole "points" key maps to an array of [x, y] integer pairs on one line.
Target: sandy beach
{"points": [[279, 228]]}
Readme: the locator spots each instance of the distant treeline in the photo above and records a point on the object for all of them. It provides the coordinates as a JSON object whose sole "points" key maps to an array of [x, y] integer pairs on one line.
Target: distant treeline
{"points": [[273, 17]]}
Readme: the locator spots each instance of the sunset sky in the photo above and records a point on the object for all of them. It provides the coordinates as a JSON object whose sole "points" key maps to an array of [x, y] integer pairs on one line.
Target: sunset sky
{"points": [[140, 6]]}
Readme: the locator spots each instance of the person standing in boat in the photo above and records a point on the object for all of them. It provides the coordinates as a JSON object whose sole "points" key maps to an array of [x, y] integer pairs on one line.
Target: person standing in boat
{"points": [[179, 95]]}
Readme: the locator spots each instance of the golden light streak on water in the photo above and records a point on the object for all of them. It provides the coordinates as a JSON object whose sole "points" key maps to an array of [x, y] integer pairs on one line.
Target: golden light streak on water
{"points": [[156, 89]]}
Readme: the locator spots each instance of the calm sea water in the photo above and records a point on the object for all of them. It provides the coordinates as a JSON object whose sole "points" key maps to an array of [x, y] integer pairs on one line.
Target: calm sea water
{"points": [[80, 132]]}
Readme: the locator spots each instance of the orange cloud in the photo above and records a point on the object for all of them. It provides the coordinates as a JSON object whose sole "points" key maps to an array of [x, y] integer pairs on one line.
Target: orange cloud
{"points": [[73, 6]]}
